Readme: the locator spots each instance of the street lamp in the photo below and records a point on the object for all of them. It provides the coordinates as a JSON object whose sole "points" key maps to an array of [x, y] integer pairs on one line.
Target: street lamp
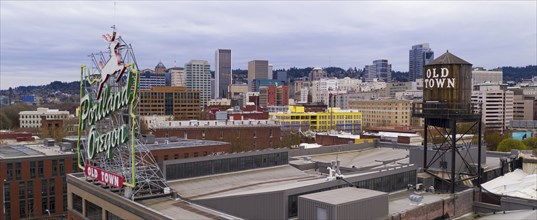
{"points": [[48, 211]]}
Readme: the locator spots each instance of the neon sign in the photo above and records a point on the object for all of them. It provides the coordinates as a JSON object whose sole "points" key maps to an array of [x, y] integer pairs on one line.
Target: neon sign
{"points": [[107, 117]]}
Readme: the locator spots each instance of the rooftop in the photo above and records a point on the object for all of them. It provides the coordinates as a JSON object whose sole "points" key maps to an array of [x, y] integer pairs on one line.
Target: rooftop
{"points": [[448, 58], [236, 182], [167, 143], [343, 195], [35, 150], [213, 123]]}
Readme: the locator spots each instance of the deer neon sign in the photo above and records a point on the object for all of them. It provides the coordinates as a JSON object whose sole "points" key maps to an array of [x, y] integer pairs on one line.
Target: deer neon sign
{"points": [[114, 65]]}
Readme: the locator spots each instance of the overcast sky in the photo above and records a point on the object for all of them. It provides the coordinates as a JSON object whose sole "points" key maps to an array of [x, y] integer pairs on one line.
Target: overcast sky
{"points": [[46, 41]]}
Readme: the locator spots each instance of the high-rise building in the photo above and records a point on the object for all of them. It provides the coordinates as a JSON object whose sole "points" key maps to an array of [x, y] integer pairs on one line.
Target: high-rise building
{"points": [[177, 75], [257, 69], [419, 55], [380, 69], [198, 78], [270, 72], [148, 79], [496, 105], [222, 73]]}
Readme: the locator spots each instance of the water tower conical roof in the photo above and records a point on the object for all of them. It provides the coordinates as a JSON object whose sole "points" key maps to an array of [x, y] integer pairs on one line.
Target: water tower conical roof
{"points": [[448, 58]]}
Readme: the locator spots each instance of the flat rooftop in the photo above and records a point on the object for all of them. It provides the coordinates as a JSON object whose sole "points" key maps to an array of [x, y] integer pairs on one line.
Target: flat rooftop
{"points": [[399, 202], [30, 150], [343, 195], [237, 182], [165, 143], [365, 158]]}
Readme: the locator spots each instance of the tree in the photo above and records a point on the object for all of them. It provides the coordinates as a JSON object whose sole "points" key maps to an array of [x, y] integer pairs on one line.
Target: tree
{"points": [[509, 144], [531, 143], [492, 139], [5, 123]]}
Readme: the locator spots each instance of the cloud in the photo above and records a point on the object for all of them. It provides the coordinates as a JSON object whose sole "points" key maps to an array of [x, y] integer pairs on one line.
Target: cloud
{"points": [[46, 41]]}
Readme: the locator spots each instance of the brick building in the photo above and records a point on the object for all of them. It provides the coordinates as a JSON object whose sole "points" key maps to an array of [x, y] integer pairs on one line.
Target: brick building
{"points": [[174, 148], [243, 135], [32, 179]]}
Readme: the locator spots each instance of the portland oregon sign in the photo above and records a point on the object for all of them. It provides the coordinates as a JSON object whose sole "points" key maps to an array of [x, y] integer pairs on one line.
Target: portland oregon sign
{"points": [[108, 149]]}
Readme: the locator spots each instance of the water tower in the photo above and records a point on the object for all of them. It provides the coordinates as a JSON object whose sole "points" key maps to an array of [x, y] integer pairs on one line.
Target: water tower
{"points": [[449, 120]]}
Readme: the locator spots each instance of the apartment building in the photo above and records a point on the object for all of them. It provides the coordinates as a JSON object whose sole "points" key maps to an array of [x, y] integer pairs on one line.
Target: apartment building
{"points": [[377, 113]]}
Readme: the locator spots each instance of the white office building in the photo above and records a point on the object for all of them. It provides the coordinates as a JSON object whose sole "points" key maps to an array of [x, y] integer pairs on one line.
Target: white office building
{"points": [[198, 78], [32, 119]]}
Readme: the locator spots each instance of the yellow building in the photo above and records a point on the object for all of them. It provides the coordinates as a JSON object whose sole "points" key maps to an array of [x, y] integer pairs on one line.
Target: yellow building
{"points": [[335, 119], [378, 113]]}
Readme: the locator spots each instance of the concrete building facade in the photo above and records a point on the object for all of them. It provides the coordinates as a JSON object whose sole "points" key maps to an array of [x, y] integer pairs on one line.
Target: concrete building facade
{"points": [[177, 76], [418, 56], [198, 78], [495, 104], [178, 102], [33, 119], [257, 69], [222, 73], [376, 113], [481, 75]]}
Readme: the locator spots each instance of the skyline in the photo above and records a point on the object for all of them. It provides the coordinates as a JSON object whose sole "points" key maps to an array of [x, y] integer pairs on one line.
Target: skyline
{"points": [[56, 37]]}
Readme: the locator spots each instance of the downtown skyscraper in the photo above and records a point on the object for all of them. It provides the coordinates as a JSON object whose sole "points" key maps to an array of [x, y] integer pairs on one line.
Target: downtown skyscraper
{"points": [[223, 74], [198, 78], [257, 69], [419, 55]]}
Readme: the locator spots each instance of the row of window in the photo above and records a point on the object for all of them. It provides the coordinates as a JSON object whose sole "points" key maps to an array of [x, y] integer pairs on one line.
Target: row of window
{"points": [[26, 198], [93, 211], [47, 116], [210, 167]]}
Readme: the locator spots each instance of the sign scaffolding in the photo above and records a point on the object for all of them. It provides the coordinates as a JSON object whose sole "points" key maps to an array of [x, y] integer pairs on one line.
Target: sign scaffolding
{"points": [[108, 149]]}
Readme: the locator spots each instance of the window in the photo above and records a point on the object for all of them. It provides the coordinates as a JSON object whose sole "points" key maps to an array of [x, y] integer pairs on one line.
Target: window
{"points": [[51, 191], [111, 216], [186, 155], [44, 187], [9, 171], [165, 157], [22, 209], [176, 156], [7, 192], [54, 167], [40, 168], [195, 154], [44, 206], [93, 211], [32, 169], [30, 190], [77, 203], [18, 170], [22, 190], [62, 167]]}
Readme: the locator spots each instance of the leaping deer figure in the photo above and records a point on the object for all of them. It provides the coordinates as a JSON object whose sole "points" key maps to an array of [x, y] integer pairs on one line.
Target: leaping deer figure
{"points": [[114, 65]]}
